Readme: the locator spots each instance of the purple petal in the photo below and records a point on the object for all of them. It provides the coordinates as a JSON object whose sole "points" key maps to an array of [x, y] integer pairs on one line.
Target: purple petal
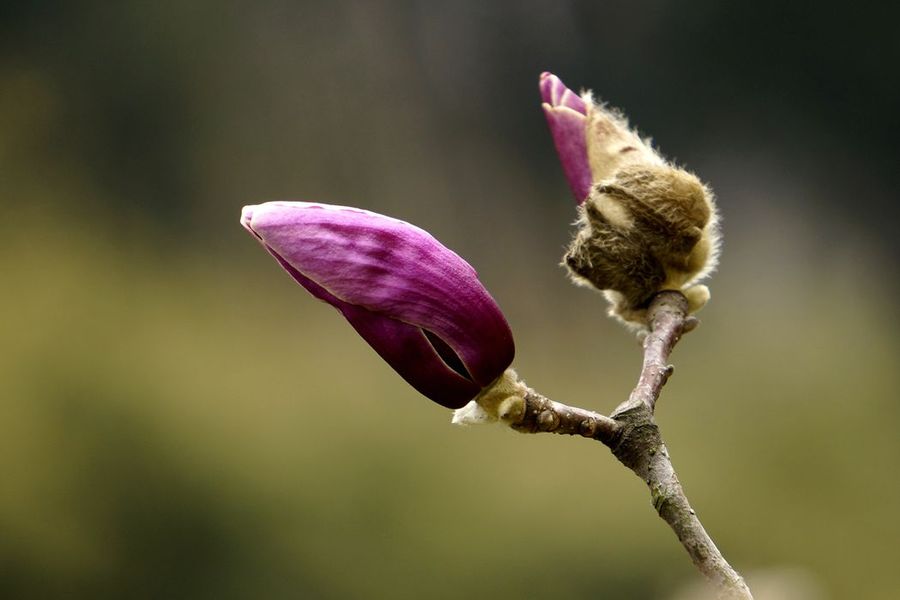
{"points": [[404, 347], [555, 93], [565, 113], [392, 280]]}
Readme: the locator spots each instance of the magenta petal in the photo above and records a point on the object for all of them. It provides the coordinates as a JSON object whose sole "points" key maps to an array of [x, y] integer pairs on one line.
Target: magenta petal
{"points": [[391, 280], [404, 347], [568, 130], [568, 125], [555, 93]]}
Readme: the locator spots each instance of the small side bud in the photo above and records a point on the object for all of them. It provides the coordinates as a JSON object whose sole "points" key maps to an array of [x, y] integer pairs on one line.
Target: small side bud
{"points": [[697, 297], [503, 400]]}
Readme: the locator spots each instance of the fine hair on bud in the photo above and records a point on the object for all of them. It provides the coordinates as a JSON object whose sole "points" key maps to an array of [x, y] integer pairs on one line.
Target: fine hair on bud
{"points": [[647, 227]]}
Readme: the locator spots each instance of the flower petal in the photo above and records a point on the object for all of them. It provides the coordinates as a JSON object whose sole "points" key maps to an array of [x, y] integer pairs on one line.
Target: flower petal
{"points": [[404, 347], [555, 93], [566, 116], [376, 269]]}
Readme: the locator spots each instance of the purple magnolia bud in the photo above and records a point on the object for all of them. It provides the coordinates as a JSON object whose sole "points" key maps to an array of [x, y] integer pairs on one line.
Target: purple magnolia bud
{"points": [[417, 303], [567, 117], [593, 142]]}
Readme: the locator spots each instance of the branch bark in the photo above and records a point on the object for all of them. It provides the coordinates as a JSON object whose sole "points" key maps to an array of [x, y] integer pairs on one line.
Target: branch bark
{"points": [[631, 433]]}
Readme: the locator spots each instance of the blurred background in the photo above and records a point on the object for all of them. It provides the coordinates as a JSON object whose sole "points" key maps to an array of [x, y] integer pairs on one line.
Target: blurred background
{"points": [[178, 419]]}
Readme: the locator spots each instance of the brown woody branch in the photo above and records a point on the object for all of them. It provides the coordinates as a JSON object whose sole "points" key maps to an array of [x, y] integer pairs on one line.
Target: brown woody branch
{"points": [[634, 438]]}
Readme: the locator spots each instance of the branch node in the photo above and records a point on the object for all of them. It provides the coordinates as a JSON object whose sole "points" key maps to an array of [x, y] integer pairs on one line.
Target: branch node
{"points": [[587, 428], [690, 324], [633, 436], [547, 420], [665, 373]]}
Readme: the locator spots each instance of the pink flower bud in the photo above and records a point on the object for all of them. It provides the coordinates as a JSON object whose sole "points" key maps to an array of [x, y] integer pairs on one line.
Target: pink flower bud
{"points": [[417, 303]]}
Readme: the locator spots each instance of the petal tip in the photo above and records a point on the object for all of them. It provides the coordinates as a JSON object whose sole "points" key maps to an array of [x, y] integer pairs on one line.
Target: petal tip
{"points": [[555, 93], [546, 84], [247, 219], [247, 215]]}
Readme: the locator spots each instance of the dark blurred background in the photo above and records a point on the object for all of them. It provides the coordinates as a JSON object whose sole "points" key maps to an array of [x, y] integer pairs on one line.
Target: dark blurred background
{"points": [[179, 420]]}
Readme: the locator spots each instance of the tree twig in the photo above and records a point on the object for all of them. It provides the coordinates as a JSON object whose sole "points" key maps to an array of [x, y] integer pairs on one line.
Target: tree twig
{"points": [[634, 438], [545, 415]]}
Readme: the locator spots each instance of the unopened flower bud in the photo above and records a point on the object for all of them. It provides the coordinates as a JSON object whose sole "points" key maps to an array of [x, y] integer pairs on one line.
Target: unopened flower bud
{"points": [[417, 303], [645, 225]]}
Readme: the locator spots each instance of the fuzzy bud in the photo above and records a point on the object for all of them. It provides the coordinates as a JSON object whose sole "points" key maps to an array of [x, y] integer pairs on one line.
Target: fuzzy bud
{"points": [[645, 225]]}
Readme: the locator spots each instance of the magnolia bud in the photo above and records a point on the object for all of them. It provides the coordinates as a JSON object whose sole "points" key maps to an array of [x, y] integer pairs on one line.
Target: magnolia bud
{"points": [[417, 303], [645, 225]]}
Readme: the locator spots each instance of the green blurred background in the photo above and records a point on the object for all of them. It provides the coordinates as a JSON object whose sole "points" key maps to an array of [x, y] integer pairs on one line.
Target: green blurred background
{"points": [[179, 420]]}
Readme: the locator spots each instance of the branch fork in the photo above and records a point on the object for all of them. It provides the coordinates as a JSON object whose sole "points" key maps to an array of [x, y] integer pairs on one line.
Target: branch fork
{"points": [[633, 436]]}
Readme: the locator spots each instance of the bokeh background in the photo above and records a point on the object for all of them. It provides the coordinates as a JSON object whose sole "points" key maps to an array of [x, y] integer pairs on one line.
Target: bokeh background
{"points": [[179, 420]]}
